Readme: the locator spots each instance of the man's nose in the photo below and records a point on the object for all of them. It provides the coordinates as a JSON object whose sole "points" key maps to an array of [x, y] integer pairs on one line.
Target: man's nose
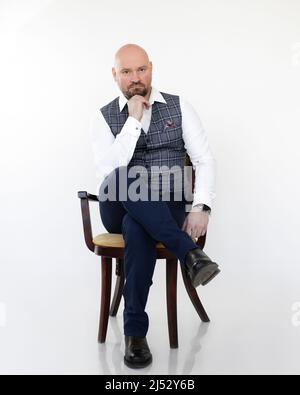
{"points": [[135, 77]]}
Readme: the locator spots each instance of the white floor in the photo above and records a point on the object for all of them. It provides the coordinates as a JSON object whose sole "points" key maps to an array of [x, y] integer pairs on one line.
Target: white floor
{"points": [[49, 322]]}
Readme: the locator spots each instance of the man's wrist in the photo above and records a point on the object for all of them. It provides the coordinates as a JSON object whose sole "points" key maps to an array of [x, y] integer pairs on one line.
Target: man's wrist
{"points": [[201, 207]]}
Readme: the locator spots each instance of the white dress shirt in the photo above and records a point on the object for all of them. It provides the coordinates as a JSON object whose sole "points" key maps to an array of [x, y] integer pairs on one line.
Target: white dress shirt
{"points": [[111, 152]]}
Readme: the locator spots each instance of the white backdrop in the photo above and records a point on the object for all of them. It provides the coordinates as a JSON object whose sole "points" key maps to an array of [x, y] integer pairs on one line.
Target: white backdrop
{"points": [[237, 62]]}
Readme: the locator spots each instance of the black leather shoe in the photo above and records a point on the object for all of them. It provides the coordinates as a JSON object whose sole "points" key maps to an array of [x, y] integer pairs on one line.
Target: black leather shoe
{"points": [[200, 267], [137, 352]]}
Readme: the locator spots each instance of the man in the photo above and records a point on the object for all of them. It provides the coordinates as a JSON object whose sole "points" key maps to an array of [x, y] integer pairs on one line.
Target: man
{"points": [[144, 128]]}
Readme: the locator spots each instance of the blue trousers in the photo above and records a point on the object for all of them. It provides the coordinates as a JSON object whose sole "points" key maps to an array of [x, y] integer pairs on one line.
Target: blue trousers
{"points": [[143, 224]]}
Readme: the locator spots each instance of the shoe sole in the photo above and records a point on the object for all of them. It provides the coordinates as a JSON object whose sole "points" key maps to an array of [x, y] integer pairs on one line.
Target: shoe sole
{"points": [[211, 277], [206, 275], [137, 365]]}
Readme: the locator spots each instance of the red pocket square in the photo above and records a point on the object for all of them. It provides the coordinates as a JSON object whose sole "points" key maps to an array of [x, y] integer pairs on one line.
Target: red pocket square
{"points": [[169, 124]]}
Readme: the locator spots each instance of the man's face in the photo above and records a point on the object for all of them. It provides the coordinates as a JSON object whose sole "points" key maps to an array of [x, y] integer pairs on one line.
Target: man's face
{"points": [[133, 75]]}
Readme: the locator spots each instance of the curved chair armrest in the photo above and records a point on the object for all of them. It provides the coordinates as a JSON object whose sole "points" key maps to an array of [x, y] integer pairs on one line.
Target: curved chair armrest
{"points": [[85, 197], [201, 241]]}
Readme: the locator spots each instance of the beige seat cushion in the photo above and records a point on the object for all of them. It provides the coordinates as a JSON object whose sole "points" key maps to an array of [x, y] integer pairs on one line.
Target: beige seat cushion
{"points": [[114, 240]]}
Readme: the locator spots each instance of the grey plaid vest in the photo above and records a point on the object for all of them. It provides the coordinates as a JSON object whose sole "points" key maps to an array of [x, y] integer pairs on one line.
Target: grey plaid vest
{"points": [[162, 145]]}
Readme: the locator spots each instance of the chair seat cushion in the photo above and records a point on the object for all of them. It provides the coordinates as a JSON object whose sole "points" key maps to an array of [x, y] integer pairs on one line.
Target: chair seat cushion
{"points": [[114, 240]]}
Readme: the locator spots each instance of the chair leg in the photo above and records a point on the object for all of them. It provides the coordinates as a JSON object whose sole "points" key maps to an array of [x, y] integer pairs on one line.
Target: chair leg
{"points": [[194, 296], [105, 297], [171, 286], [118, 288]]}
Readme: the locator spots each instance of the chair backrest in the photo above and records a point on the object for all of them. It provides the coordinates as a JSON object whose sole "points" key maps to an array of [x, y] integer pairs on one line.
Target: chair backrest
{"points": [[189, 163]]}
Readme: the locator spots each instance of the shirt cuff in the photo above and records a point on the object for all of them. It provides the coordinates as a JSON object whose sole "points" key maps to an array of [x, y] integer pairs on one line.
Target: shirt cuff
{"points": [[202, 198], [133, 126]]}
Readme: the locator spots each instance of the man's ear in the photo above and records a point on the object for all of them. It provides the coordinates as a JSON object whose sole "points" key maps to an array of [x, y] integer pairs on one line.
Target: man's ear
{"points": [[113, 70]]}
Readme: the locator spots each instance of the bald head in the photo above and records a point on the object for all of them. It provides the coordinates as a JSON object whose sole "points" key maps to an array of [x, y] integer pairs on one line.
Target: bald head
{"points": [[130, 52], [133, 71]]}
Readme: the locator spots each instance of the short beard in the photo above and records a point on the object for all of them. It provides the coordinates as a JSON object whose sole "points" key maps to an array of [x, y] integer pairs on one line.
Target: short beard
{"points": [[142, 92]]}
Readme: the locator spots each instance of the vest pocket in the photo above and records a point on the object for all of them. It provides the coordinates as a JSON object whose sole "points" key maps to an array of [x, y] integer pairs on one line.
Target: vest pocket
{"points": [[166, 136]]}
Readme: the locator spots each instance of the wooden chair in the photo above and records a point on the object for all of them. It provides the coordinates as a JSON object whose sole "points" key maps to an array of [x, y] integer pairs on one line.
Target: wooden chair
{"points": [[109, 246]]}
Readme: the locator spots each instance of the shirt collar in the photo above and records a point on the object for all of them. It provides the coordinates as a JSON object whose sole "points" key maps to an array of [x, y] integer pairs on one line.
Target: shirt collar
{"points": [[155, 95]]}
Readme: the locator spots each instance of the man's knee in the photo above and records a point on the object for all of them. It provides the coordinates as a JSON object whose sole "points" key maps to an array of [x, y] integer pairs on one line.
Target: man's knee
{"points": [[110, 187], [121, 184], [131, 227]]}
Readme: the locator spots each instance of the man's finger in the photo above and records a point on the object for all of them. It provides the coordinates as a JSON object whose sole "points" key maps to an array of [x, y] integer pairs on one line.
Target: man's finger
{"points": [[194, 234], [189, 231]]}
